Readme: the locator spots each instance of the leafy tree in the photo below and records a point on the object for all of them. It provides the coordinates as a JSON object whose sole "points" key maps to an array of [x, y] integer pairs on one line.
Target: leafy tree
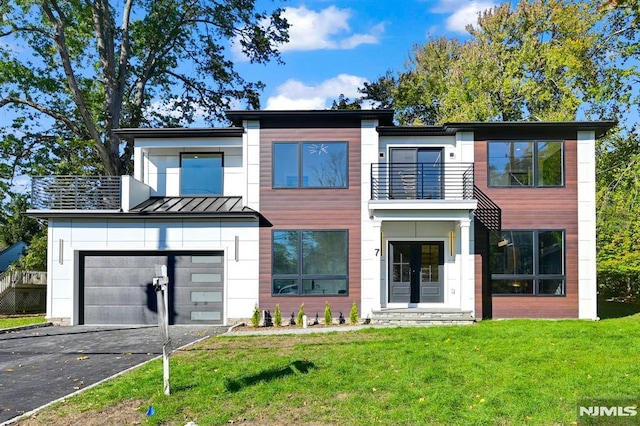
{"points": [[72, 72], [346, 103], [15, 225], [618, 221], [36, 257], [541, 60]]}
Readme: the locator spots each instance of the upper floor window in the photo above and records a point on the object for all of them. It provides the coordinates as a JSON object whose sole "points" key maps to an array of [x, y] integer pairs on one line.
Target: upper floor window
{"points": [[310, 165], [201, 174], [526, 163], [527, 262]]}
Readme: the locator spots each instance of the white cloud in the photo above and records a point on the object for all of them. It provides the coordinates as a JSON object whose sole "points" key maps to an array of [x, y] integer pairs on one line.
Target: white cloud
{"points": [[296, 95], [317, 30], [463, 14]]}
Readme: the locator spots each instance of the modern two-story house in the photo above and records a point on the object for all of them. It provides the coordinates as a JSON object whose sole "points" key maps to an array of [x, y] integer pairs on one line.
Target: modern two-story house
{"points": [[485, 220]]}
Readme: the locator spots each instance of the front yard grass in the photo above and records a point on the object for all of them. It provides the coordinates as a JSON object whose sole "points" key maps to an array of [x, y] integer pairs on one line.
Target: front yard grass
{"points": [[17, 321], [517, 372]]}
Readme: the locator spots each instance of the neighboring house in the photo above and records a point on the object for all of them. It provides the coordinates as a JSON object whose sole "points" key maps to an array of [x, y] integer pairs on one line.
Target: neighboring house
{"points": [[490, 220], [11, 254]]}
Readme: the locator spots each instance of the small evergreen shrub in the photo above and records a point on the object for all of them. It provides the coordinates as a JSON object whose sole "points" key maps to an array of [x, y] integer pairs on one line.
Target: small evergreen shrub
{"points": [[277, 316], [353, 314], [328, 318], [255, 318], [300, 315]]}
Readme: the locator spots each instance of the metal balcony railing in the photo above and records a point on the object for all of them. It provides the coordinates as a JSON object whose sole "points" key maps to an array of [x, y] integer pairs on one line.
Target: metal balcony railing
{"points": [[75, 192], [422, 181]]}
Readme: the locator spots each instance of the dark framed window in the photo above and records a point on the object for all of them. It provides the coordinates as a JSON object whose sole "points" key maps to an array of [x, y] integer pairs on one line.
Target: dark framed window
{"points": [[310, 165], [310, 263], [527, 262], [201, 174], [526, 163]]}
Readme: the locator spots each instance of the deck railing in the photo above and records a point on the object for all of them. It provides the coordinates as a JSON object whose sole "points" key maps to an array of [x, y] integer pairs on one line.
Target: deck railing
{"points": [[422, 181], [75, 192]]}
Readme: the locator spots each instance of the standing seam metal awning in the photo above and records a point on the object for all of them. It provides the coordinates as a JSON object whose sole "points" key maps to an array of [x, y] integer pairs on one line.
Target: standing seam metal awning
{"points": [[186, 205]]}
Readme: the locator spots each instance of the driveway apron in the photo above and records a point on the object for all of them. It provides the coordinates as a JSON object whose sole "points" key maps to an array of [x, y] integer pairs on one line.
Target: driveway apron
{"points": [[41, 365]]}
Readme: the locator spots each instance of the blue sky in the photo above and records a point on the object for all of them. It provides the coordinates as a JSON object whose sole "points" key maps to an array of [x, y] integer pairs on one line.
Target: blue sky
{"points": [[337, 45]]}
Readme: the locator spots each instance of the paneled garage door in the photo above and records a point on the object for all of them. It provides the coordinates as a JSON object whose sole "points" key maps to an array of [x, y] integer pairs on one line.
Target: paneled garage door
{"points": [[117, 287]]}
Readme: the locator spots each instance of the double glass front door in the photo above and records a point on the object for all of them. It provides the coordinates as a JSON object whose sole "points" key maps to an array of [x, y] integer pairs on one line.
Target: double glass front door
{"points": [[416, 272]]}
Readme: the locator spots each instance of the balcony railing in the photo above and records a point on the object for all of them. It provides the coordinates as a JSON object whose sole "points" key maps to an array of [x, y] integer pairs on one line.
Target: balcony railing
{"points": [[75, 192], [422, 181]]}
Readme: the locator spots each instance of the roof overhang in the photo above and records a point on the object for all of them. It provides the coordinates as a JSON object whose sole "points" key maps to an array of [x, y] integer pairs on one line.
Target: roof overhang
{"points": [[179, 132], [312, 118], [504, 129]]}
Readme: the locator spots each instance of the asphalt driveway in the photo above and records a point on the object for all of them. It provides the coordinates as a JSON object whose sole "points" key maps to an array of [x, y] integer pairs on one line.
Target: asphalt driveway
{"points": [[40, 365]]}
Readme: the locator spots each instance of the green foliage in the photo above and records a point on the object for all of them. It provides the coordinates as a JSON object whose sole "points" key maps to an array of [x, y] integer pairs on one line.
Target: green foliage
{"points": [[15, 225], [36, 257], [87, 68], [538, 60], [301, 314], [328, 317], [353, 314], [277, 316], [255, 318], [618, 216], [346, 103]]}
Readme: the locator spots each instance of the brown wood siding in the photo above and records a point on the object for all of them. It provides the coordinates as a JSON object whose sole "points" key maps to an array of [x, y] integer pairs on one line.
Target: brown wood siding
{"points": [[310, 209], [538, 208]]}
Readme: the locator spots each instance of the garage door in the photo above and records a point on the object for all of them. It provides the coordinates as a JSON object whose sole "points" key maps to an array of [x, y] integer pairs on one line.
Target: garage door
{"points": [[117, 288]]}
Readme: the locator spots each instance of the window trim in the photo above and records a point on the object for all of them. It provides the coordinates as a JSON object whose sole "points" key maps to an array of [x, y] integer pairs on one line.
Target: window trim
{"points": [[299, 159], [534, 164], [221, 154], [300, 276], [536, 277]]}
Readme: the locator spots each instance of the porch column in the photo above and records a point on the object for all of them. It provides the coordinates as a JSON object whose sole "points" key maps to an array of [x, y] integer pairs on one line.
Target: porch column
{"points": [[373, 257], [467, 270]]}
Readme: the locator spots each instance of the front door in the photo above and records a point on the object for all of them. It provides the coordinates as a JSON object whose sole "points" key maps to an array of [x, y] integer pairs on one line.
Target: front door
{"points": [[416, 272]]}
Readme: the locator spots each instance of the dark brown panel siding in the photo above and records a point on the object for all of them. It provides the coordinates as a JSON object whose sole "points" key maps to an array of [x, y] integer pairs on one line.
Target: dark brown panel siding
{"points": [[310, 209], [538, 208]]}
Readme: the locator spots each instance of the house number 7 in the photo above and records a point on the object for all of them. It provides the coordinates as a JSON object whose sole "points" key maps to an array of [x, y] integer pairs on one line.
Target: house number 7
{"points": [[377, 251]]}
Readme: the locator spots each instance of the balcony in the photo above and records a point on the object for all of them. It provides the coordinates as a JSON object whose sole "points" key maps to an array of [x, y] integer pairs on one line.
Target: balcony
{"points": [[75, 192], [86, 193], [422, 181]]}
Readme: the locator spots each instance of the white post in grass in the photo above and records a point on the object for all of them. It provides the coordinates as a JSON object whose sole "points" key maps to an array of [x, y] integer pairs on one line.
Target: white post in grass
{"points": [[161, 284]]}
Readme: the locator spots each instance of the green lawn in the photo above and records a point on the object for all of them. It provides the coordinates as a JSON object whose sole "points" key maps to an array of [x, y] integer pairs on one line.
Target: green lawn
{"points": [[492, 373], [16, 321]]}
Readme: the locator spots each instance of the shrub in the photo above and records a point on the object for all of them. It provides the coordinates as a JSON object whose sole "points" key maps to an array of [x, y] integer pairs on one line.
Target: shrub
{"points": [[255, 318], [301, 315], [353, 315], [277, 316], [328, 317]]}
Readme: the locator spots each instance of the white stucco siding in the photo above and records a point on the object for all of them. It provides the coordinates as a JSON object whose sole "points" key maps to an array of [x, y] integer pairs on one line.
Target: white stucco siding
{"points": [[452, 152], [162, 170], [76, 235], [587, 273]]}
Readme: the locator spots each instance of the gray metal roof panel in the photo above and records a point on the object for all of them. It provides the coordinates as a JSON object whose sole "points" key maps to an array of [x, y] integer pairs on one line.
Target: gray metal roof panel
{"points": [[187, 205]]}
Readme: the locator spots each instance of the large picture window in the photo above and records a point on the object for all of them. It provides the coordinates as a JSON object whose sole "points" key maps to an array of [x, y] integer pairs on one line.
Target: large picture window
{"points": [[526, 163], [201, 174], [310, 263], [310, 165], [527, 263]]}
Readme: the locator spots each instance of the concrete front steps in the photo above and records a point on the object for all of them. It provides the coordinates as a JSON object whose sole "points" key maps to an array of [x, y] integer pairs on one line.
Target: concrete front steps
{"points": [[421, 317]]}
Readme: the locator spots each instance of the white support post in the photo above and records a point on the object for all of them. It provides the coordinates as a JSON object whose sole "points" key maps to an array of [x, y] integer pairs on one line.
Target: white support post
{"points": [[161, 285], [467, 270]]}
